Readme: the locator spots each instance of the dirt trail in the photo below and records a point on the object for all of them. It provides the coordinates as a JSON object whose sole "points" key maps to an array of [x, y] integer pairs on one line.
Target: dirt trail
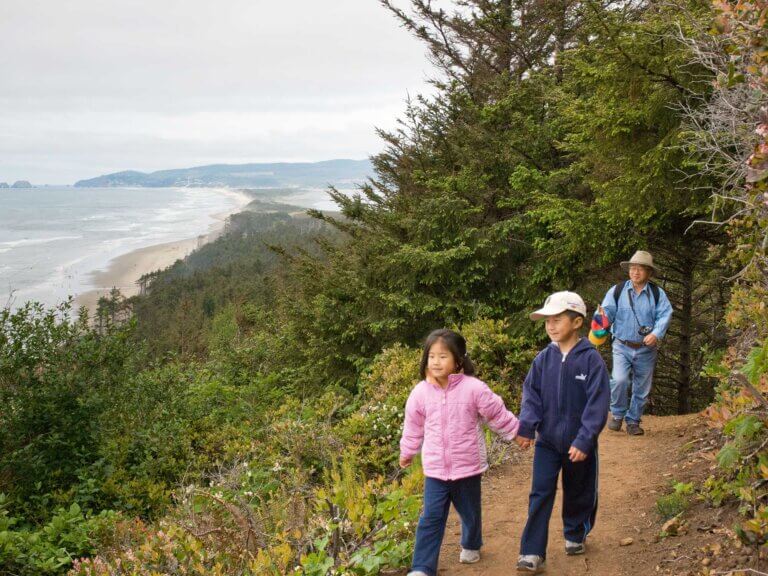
{"points": [[634, 472]]}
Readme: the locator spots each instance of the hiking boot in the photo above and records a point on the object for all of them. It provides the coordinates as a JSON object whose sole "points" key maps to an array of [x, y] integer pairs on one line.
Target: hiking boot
{"points": [[574, 548], [614, 424], [530, 563], [634, 429], [469, 556]]}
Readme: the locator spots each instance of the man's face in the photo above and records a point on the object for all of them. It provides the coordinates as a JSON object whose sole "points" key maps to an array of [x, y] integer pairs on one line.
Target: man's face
{"points": [[639, 274]]}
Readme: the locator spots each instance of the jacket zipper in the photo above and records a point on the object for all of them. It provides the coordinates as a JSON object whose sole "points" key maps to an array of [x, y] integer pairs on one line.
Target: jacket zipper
{"points": [[560, 400], [445, 439]]}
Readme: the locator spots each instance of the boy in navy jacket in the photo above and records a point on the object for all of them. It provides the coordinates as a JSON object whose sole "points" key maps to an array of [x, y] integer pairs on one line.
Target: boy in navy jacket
{"points": [[566, 396]]}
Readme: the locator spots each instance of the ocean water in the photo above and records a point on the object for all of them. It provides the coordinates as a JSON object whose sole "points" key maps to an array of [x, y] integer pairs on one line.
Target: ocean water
{"points": [[312, 198], [52, 238]]}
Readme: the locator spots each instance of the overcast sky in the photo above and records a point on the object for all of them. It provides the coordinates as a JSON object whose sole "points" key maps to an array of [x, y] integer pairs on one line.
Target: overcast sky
{"points": [[89, 87]]}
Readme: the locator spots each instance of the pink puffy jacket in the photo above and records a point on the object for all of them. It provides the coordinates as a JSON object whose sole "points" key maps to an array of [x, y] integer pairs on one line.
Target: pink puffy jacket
{"points": [[445, 424]]}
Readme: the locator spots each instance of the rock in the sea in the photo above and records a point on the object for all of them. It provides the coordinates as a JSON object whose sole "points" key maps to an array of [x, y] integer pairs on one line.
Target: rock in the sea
{"points": [[4, 185], [21, 184]]}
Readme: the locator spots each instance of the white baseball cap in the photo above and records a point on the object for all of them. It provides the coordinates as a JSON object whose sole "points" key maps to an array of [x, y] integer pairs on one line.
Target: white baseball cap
{"points": [[558, 303]]}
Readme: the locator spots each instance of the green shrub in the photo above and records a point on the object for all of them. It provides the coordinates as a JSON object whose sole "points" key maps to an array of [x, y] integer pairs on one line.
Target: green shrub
{"points": [[676, 502], [50, 548]]}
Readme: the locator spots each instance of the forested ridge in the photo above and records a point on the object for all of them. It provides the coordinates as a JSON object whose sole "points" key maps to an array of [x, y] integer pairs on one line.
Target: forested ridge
{"points": [[243, 415]]}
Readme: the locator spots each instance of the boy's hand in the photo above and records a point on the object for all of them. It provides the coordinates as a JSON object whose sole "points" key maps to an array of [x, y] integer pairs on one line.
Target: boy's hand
{"points": [[524, 443], [576, 455], [405, 461]]}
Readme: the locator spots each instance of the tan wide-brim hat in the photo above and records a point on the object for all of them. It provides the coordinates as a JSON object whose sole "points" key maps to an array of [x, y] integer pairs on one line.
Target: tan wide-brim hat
{"points": [[642, 258]]}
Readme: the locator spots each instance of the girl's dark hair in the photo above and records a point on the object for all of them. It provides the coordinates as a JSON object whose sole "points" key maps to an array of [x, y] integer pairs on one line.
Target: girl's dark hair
{"points": [[456, 343]]}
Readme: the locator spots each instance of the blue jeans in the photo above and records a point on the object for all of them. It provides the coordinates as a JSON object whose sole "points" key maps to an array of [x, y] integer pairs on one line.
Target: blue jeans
{"points": [[438, 496], [579, 498], [631, 367]]}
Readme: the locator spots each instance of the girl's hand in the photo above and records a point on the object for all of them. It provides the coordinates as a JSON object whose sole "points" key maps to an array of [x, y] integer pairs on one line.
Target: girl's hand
{"points": [[405, 461], [576, 455], [524, 443]]}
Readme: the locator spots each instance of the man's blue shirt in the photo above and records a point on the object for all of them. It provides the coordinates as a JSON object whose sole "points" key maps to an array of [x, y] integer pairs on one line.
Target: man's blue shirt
{"points": [[650, 313]]}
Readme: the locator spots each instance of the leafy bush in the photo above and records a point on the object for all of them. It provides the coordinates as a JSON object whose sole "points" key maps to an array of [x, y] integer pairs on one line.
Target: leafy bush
{"points": [[740, 412], [58, 376], [676, 502], [49, 549], [502, 360]]}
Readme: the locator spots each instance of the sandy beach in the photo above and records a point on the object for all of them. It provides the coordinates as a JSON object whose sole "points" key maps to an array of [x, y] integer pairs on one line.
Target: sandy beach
{"points": [[124, 271]]}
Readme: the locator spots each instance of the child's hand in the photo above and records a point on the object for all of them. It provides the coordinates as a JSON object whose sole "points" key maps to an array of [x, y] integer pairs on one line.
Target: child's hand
{"points": [[405, 461], [576, 455], [524, 443]]}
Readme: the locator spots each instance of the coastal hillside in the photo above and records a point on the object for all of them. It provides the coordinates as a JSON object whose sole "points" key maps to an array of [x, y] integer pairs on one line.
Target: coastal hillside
{"points": [[242, 415], [342, 173]]}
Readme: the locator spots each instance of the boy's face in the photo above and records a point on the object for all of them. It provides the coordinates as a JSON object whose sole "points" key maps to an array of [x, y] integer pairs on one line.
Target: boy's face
{"points": [[562, 327], [441, 362]]}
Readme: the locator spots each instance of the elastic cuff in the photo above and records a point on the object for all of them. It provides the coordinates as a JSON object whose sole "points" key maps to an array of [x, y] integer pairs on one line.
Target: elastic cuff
{"points": [[582, 445], [509, 437], [526, 431]]}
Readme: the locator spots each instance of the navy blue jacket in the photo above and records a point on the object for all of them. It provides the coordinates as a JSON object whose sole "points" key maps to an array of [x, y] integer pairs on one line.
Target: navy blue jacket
{"points": [[565, 402]]}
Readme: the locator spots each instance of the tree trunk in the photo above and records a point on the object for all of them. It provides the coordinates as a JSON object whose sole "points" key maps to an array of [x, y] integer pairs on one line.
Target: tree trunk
{"points": [[688, 267], [561, 37]]}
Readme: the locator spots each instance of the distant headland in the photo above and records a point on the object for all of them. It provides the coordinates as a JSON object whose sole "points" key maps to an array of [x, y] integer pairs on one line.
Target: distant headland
{"points": [[17, 184], [267, 175]]}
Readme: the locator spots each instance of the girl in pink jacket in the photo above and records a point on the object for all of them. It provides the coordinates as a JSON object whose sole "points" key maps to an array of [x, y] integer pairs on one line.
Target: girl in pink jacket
{"points": [[443, 420]]}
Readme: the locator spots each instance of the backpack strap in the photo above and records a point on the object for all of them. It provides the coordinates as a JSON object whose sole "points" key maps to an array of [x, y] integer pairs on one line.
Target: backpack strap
{"points": [[617, 292], [654, 290], [656, 293]]}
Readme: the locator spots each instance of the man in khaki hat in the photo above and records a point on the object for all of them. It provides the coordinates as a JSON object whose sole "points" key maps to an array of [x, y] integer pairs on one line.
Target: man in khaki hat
{"points": [[640, 314]]}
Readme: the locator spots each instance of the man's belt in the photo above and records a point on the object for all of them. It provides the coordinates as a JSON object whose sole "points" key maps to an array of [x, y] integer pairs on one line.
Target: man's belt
{"points": [[635, 345]]}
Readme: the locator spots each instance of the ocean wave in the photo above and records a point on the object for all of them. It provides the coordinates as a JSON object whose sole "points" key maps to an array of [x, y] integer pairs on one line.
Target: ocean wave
{"points": [[107, 216], [122, 228], [98, 227], [5, 246]]}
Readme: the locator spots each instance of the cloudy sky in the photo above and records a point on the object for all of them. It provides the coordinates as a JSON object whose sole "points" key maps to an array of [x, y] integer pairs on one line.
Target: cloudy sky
{"points": [[89, 87]]}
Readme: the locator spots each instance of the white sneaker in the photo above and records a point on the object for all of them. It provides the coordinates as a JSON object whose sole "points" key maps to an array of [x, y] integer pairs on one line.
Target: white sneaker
{"points": [[417, 573], [530, 563], [574, 548], [469, 556]]}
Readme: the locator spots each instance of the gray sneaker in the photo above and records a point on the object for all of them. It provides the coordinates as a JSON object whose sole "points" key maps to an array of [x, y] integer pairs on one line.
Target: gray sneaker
{"points": [[530, 563], [469, 556], [634, 429], [614, 424], [574, 548]]}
